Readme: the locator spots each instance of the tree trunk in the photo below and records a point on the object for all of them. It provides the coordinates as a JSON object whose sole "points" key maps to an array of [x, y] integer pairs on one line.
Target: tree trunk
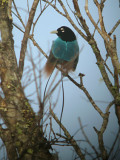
{"points": [[22, 137]]}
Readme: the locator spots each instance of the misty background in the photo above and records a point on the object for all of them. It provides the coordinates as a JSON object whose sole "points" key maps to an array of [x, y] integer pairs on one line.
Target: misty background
{"points": [[76, 103]]}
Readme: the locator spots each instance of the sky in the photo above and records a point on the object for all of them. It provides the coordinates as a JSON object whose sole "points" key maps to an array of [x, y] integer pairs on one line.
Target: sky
{"points": [[76, 103]]}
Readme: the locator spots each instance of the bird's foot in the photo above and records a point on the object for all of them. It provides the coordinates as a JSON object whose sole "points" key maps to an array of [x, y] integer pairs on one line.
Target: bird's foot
{"points": [[65, 73]]}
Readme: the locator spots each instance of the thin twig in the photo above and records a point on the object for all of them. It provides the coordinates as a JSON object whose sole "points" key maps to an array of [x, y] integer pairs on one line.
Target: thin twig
{"points": [[109, 106], [54, 6], [45, 7], [100, 8], [53, 89], [19, 17], [100, 133], [95, 28], [93, 22], [114, 143], [28, 6], [81, 19], [87, 139], [63, 100], [88, 95], [35, 76], [67, 16], [51, 84], [108, 69], [18, 27], [67, 134], [114, 28]]}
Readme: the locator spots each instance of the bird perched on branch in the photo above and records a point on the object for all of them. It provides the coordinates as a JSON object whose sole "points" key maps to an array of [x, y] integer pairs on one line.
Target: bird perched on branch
{"points": [[64, 51]]}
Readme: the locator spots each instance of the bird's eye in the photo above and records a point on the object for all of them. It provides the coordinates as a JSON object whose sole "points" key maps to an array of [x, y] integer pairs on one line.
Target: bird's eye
{"points": [[62, 30]]}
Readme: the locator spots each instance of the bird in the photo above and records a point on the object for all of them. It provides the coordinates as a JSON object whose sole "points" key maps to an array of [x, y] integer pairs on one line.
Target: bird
{"points": [[64, 51]]}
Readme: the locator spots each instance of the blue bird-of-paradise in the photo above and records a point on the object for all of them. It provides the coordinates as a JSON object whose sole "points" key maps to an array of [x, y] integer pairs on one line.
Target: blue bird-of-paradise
{"points": [[64, 51]]}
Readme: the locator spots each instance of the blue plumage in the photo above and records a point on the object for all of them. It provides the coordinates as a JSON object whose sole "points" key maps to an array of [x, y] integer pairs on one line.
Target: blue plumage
{"points": [[64, 51]]}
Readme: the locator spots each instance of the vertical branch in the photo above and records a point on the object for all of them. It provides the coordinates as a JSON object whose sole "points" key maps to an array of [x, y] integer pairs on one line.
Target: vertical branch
{"points": [[100, 8], [116, 77], [9, 9], [109, 46], [100, 133], [35, 77], [26, 36], [92, 20]]}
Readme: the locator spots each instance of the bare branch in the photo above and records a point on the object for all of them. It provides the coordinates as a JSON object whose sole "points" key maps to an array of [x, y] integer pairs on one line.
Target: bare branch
{"points": [[103, 1], [42, 10], [116, 76], [26, 36], [71, 21], [102, 130], [67, 134], [35, 76], [88, 95], [109, 106], [108, 44], [95, 29], [108, 68], [114, 143], [100, 8], [39, 48], [93, 22], [114, 28], [18, 14], [28, 6], [9, 9], [54, 6], [87, 139], [82, 20]]}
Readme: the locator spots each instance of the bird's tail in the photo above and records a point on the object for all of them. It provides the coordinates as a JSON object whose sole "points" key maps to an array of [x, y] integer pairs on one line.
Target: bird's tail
{"points": [[49, 67]]}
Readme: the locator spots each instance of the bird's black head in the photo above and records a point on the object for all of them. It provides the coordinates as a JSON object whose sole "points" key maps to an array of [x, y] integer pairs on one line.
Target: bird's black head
{"points": [[65, 33]]}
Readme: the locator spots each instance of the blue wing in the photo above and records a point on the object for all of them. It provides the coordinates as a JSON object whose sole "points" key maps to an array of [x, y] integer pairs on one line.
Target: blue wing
{"points": [[65, 51]]}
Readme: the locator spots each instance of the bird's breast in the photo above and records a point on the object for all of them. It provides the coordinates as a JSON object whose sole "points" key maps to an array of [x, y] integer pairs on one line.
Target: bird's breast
{"points": [[63, 50]]}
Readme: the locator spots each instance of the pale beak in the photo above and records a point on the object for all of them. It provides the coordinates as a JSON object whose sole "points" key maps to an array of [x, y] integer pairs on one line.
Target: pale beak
{"points": [[54, 32]]}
